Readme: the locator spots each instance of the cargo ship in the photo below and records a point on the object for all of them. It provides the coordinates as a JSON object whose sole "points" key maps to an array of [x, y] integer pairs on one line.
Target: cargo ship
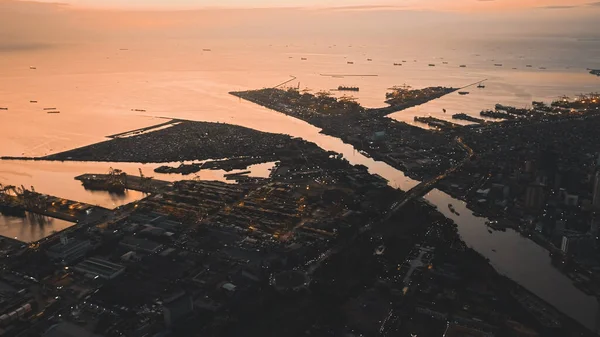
{"points": [[303, 59], [49, 109], [343, 88], [431, 65], [462, 66], [98, 183], [498, 65], [350, 62], [369, 60], [397, 64], [206, 49], [32, 101], [481, 86], [12, 209], [3, 108], [463, 93], [529, 66], [138, 110], [53, 112]]}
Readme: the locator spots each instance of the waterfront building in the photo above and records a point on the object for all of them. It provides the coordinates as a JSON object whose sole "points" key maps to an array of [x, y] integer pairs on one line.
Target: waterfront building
{"points": [[577, 245], [69, 250]]}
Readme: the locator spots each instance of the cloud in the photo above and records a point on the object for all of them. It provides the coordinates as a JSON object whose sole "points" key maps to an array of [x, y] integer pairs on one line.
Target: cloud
{"points": [[558, 7], [366, 8]]}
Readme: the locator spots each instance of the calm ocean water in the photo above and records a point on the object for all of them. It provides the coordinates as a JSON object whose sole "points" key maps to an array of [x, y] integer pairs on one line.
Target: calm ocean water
{"points": [[96, 86]]}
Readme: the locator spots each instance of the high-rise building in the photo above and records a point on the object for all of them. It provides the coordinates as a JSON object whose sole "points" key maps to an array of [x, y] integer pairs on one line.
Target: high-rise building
{"points": [[578, 245], [534, 196], [596, 192]]}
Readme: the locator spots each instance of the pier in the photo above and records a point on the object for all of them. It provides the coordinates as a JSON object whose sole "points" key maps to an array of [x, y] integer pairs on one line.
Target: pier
{"points": [[131, 182], [468, 118], [436, 122], [46, 205]]}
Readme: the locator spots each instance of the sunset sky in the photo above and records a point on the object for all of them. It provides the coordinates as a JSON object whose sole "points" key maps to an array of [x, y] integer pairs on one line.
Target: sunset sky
{"points": [[361, 4], [43, 22]]}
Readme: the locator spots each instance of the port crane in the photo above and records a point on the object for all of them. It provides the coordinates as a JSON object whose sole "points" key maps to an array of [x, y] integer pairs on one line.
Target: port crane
{"points": [[145, 181]]}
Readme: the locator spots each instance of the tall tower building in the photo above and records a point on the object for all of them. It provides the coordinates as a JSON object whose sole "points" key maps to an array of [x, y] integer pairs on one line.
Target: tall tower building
{"points": [[596, 192], [534, 196]]}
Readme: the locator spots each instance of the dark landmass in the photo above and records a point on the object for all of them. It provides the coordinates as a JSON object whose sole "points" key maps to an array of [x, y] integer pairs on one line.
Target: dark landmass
{"points": [[185, 141], [419, 153]]}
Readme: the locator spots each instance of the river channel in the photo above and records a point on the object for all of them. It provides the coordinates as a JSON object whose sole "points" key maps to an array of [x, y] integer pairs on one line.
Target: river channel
{"points": [[511, 254]]}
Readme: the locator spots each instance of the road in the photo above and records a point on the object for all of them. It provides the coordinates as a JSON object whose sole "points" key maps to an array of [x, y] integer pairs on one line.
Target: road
{"points": [[416, 192], [426, 186]]}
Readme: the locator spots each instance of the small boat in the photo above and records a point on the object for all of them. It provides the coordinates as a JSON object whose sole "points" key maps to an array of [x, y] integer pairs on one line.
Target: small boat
{"points": [[350, 62], [123, 49], [291, 57], [543, 68], [444, 62], [403, 61], [463, 66], [481, 86], [529, 66], [463, 93], [32, 68], [397, 64], [303, 59], [431, 65], [49, 108], [498, 65], [53, 112], [493, 250], [32, 101], [138, 110], [206, 49], [369, 60], [3, 108], [490, 231]]}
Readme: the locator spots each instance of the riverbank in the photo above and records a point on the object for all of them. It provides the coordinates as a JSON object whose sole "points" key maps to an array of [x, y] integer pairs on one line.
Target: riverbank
{"points": [[417, 152]]}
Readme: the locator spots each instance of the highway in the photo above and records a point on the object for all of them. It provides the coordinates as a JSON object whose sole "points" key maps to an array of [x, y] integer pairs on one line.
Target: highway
{"points": [[416, 192], [426, 186]]}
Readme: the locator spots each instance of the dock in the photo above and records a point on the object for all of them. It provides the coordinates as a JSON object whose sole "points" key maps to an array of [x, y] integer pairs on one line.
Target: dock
{"points": [[135, 183], [47, 205], [496, 114], [468, 118], [436, 122]]}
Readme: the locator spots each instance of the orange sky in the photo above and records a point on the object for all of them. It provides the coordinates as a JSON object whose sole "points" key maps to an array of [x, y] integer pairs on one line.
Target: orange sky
{"points": [[462, 5]]}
